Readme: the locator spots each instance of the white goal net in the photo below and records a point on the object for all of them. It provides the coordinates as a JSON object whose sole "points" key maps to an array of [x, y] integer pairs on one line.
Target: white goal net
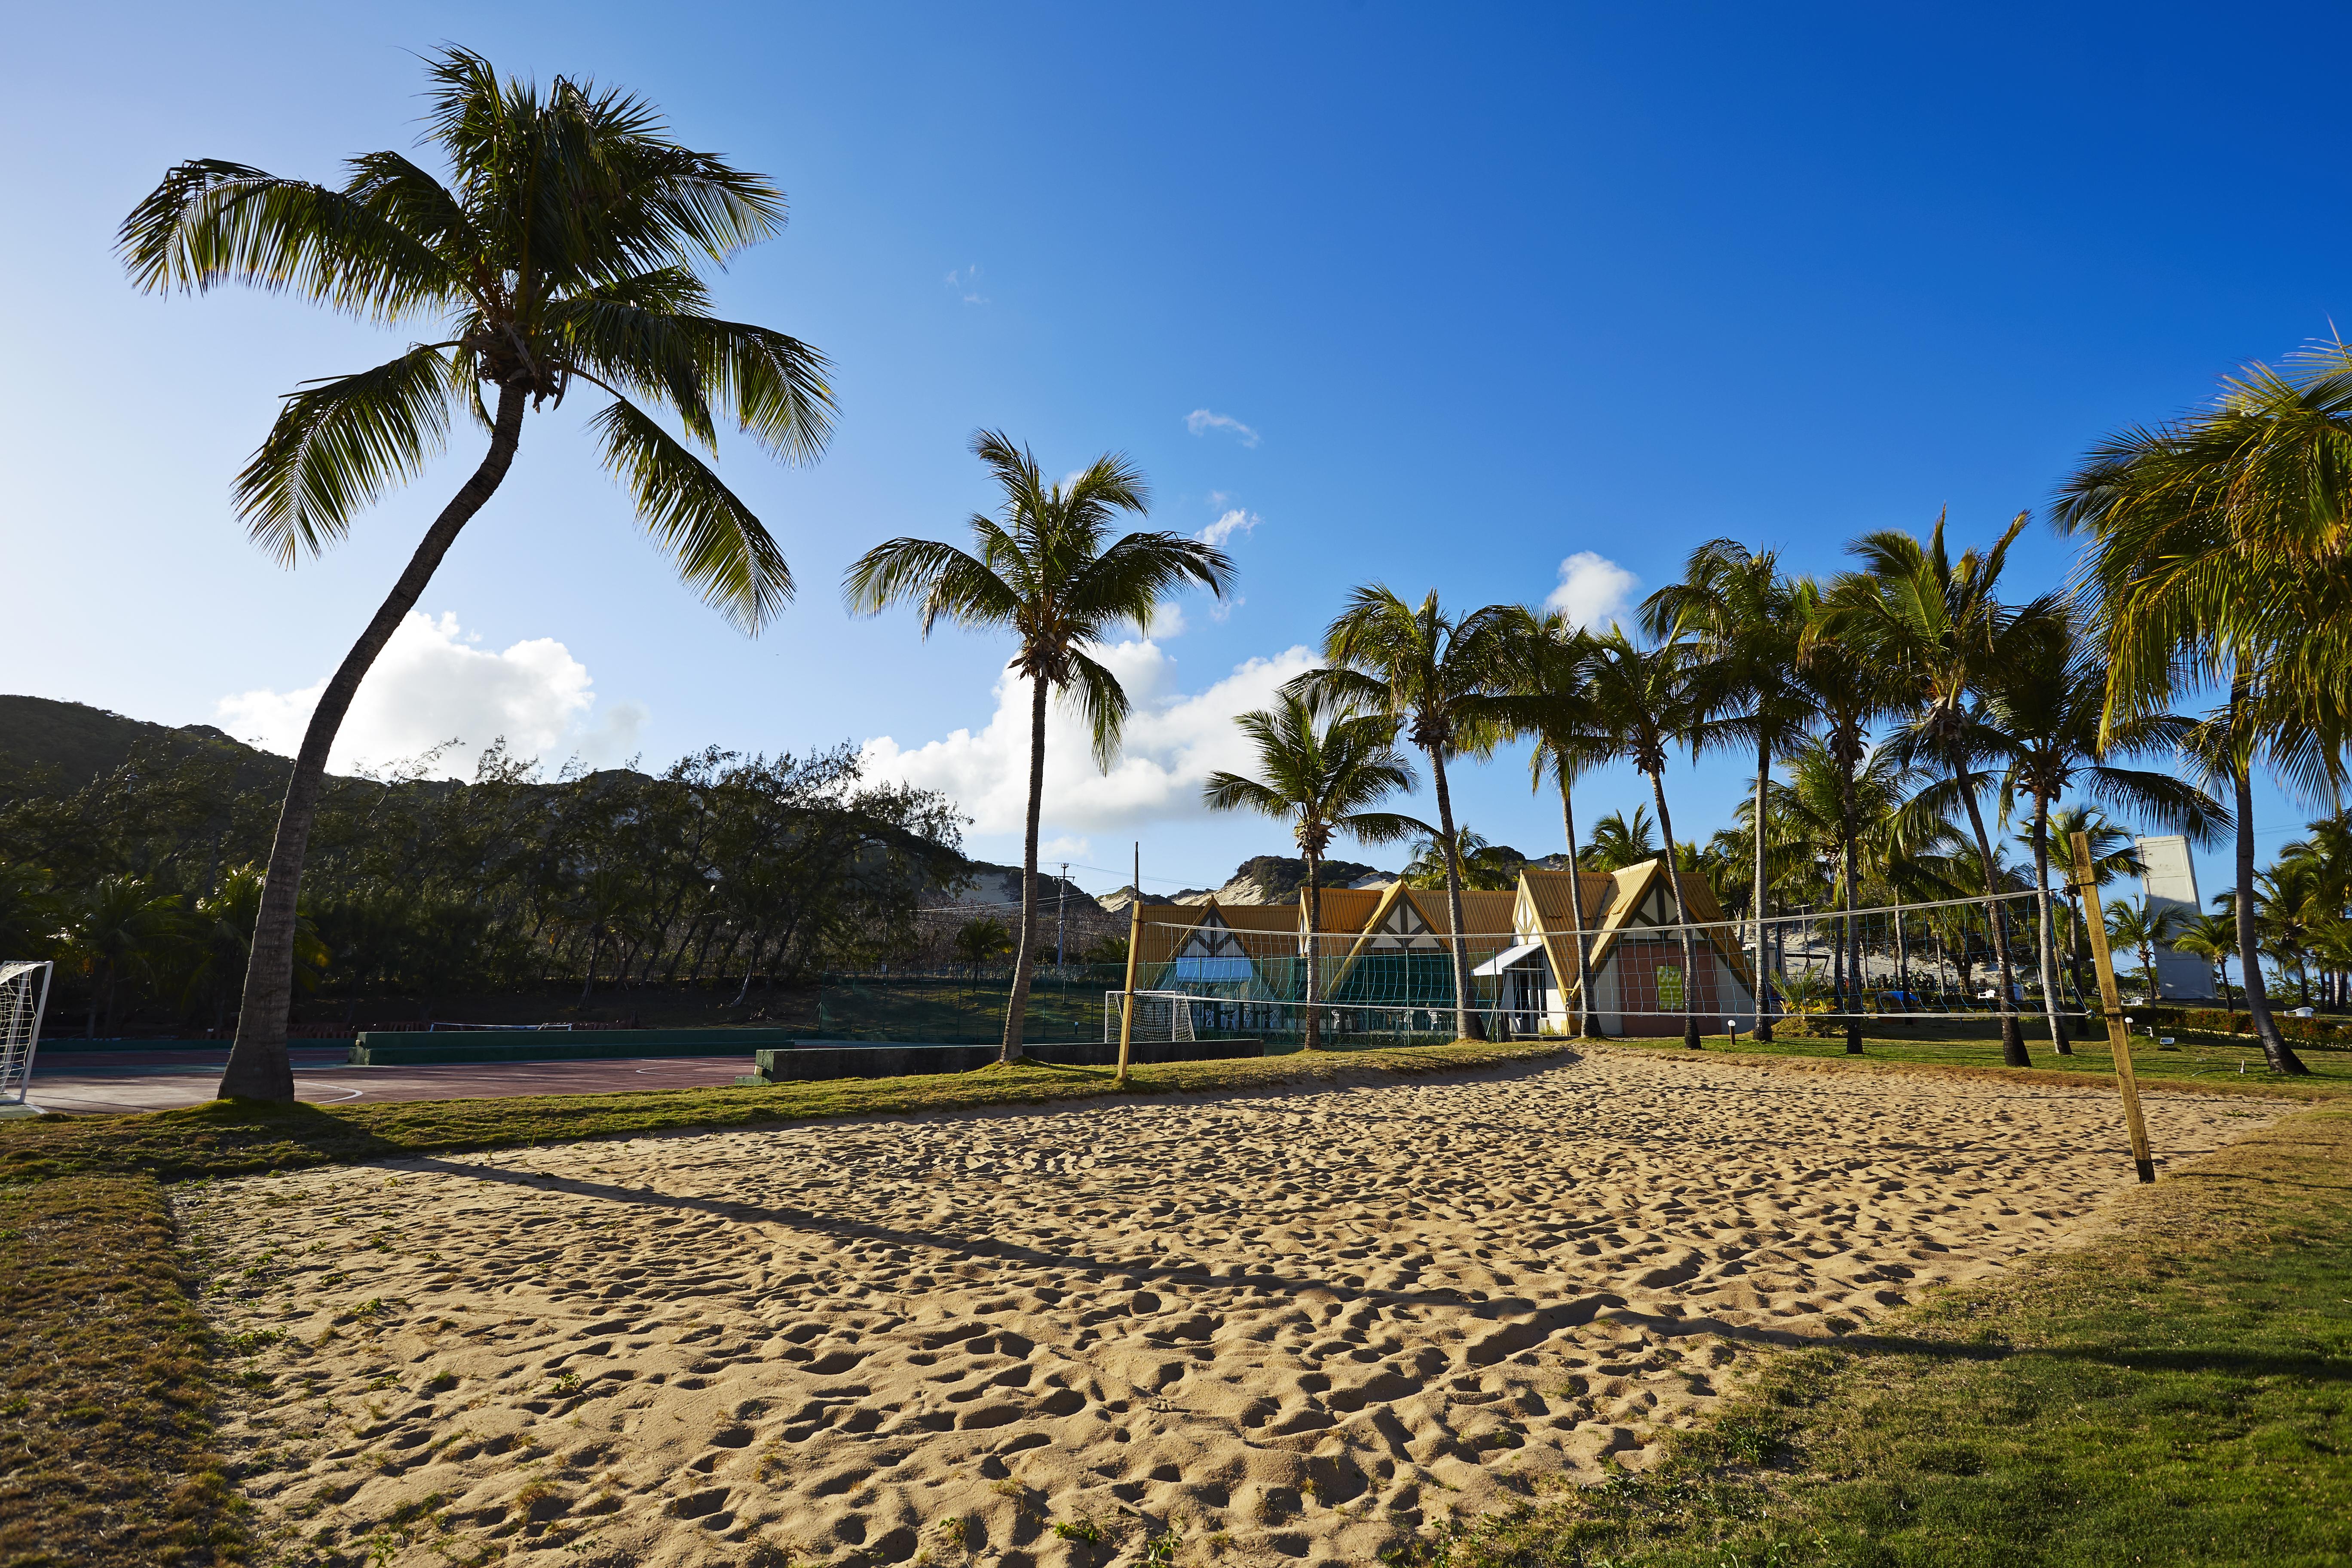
{"points": [[23, 994], [1159, 1015]]}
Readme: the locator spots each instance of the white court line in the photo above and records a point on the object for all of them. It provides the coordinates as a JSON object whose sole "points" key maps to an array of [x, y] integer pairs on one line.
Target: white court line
{"points": [[347, 1094]]}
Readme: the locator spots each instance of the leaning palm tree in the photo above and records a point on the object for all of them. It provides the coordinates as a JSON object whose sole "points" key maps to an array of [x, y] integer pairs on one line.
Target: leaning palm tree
{"points": [[2046, 699], [1439, 677], [1938, 622], [559, 255], [1738, 607], [2219, 558], [1645, 699], [1047, 568], [1325, 778]]}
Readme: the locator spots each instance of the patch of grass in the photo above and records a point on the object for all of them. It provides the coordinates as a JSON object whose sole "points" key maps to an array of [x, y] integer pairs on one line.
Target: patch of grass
{"points": [[105, 1358], [231, 1137], [2178, 1392]]}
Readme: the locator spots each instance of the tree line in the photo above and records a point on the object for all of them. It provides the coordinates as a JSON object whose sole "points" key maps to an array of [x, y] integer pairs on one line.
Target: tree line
{"points": [[721, 871]]}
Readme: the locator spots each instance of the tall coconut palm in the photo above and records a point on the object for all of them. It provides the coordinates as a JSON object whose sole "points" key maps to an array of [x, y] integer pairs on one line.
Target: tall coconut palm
{"points": [[2046, 703], [1849, 690], [1938, 622], [1047, 569], [1546, 700], [121, 927], [1851, 819], [1736, 605], [1324, 776], [1646, 700], [559, 256], [2217, 560], [1439, 676]]}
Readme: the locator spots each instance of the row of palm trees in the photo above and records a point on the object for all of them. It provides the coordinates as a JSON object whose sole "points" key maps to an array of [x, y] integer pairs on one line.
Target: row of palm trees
{"points": [[561, 255]]}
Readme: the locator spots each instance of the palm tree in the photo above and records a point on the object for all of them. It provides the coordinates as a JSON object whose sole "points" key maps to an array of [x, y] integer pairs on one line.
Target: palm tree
{"points": [[1325, 778], [1644, 701], [121, 927], [1045, 568], [1938, 621], [2044, 705], [1850, 689], [2218, 559], [1439, 677], [562, 252], [29, 912], [2145, 927], [1619, 841], [1547, 699], [1736, 605], [977, 941], [2114, 853], [2290, 904], [2214, 938], [1486, 867]]}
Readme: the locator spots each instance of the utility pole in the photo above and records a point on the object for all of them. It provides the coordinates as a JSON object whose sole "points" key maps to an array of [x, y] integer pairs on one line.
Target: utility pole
{"points": [[1134, 945], [2086, 878], [1061, 909]]}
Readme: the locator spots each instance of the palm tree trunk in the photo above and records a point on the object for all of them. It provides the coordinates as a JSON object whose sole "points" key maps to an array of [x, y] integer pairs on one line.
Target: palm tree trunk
{"points": [[1763, 990], [2275, 1050], [257, 1065], [1467, 1026], [1682, 919], [2046, 932], [1016, 1007], [1312, 1034], [1576, 916], [2012, 1035]]}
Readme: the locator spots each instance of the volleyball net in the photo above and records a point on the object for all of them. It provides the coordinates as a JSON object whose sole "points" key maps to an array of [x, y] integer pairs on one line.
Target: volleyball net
{"points": [[1251, 970]]}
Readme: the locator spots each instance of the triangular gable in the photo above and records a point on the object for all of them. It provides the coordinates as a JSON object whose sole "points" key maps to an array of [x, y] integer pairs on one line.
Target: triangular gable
{"points": [[1540, 914], [1643, 896], [1396, 923]]}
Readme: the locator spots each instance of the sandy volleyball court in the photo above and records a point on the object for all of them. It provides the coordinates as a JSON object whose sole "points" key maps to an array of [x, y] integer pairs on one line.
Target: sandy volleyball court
{"points": [[1285, 1326]]}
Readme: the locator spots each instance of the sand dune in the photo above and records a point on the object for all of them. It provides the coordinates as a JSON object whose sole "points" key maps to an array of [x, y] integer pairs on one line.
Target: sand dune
{"points": [[1283, 1327]]}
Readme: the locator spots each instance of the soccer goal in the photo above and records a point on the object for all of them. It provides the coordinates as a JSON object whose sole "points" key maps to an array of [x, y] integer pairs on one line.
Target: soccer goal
{"points": [[1159, 1015], [23, 994]]}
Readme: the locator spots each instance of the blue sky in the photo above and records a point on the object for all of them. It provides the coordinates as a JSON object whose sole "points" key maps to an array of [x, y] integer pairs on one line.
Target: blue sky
{"points": [[1473, 290]]}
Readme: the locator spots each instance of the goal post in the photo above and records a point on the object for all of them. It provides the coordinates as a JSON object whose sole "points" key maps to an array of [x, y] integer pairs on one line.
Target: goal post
{"points": [[24, 996], [1159, 1015]]}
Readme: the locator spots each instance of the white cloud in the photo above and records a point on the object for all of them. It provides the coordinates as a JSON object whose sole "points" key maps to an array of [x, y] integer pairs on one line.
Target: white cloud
{"points": [[965, 282], [1593, 589], [1201, 421], [1174, 741], [1225, 527], [430, 685]]}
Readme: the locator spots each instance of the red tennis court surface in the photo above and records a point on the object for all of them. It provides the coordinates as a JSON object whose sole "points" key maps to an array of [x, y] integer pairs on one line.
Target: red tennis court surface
{"points": [[86, 1081]]}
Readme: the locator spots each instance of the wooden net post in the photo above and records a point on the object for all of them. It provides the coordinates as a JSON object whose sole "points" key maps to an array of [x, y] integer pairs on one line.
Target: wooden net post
{"points": [[1127, 1000], [2118, 1032]]}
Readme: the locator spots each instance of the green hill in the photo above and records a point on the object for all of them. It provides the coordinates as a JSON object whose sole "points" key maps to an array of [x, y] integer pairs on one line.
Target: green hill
{"points": [[67, 745]]}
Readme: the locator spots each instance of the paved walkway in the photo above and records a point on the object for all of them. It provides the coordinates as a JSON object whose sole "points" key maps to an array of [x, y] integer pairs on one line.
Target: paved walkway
{"points": [[85, 1081]]}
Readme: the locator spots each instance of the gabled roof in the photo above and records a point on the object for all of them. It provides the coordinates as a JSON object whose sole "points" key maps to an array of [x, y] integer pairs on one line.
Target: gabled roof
{"points": [[1541, 913], [1638, 890]]}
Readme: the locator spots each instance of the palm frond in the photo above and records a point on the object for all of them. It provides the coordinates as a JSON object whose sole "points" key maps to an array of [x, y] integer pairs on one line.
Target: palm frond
{"points": [[941, 580], [210, 222], [721, 548], [1101, 701], [336, 446]]}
